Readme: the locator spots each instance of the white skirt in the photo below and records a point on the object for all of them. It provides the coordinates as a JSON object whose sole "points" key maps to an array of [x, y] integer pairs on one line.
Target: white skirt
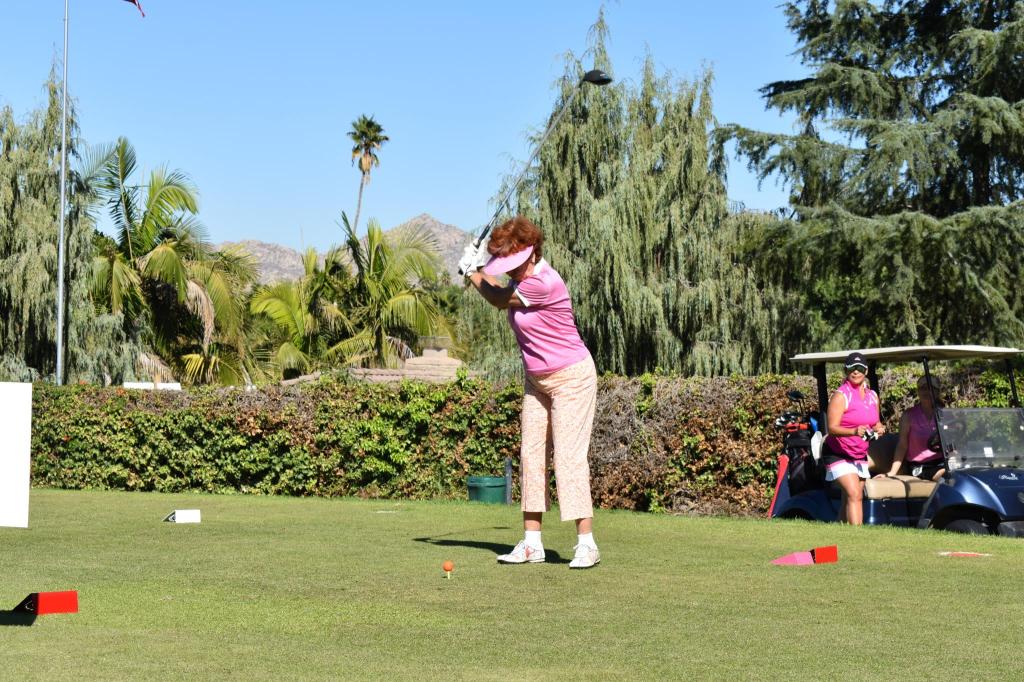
{"points": [[845, 467]]}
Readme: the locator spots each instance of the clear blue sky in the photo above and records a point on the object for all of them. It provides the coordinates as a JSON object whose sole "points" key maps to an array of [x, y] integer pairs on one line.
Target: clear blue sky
{"points": [[253, 99]]}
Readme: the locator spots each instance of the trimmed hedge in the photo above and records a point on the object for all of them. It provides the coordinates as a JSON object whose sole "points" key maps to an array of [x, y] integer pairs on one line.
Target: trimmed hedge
{"points": [[417, 440], [660, 443]]}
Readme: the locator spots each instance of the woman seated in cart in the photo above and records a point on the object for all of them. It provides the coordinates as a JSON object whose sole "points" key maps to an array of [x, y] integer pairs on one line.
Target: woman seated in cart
{"points": [[917, 429]]}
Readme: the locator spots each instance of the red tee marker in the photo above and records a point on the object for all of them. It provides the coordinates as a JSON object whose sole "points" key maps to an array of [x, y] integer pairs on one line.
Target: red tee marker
{"points": [[43, 603], [818, 555], [825, 555]]}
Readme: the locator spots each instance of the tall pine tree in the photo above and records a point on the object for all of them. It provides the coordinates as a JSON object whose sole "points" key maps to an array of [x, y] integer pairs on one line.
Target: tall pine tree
{"points": [[906, 172]]}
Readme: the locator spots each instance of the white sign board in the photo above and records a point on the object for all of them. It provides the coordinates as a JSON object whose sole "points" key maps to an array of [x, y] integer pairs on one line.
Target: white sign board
{"points": [[184, 516], [15, 453]]}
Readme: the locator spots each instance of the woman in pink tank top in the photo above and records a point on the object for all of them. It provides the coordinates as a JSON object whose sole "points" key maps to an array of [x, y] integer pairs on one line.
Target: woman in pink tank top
{"points": [[560, 391], [917, 428], [852, 413]]}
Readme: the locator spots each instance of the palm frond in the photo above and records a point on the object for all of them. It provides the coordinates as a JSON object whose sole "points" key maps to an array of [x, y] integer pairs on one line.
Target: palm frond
{"points": [[288, 356], [166, 265], [310, 261], [199, 303], [336, 263], [150, 365], [355, 247], [92, 166], [99, 283], [124, 286], [122, 197], [219, 366], [282, 304], [337, 319], [354, 350], [222, 293], [240, 266], [195, 367], [413, 311], [169, 194], [191, 234], [414, 254]]}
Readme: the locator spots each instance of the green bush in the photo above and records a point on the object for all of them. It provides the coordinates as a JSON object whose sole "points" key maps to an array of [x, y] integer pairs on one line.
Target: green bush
{"points": [[412, 440], [660, 443]]}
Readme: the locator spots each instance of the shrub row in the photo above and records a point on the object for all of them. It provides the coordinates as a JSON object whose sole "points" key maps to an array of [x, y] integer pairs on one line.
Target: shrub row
{"points": [[660, 443]]}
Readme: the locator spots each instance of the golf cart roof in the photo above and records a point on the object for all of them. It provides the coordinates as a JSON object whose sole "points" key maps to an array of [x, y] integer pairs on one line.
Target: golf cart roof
{"points": [[910, 354]]}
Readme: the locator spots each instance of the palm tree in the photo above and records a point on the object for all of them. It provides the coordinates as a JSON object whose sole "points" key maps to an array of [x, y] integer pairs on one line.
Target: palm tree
{"points": [[160, 271], [368, 136], [305, 314], [389, 305], [293, 347], [366, 306], [220, 354]]}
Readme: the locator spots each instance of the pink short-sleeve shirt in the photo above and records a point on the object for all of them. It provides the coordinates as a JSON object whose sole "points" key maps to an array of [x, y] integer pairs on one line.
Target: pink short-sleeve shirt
{"points": [[545, 328], [922, 428], [859, 412]]}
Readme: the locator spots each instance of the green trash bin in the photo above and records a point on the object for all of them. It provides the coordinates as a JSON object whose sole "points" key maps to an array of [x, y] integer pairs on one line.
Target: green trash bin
{"points": [[489, 489]]}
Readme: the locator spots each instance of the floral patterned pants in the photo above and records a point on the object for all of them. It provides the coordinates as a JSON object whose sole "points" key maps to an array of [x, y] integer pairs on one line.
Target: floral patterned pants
{"points": [[558, 414]]}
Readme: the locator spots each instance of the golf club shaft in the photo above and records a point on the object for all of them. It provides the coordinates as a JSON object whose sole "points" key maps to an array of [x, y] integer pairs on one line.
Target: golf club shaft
{"points": [[526, 167]]}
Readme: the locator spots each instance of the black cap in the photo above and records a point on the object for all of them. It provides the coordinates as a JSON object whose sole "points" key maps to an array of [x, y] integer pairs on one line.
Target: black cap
{"points": [[854, 359]]}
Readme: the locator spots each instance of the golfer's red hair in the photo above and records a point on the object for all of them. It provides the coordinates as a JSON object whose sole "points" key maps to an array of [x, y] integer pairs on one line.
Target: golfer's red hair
{"points": [[515, 235]]}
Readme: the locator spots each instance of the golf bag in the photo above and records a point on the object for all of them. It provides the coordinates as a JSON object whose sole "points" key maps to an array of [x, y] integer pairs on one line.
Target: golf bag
{"points": [[804, 472]]}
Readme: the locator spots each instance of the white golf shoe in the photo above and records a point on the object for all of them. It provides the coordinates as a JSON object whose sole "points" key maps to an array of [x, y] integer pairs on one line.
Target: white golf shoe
{"points": [[585, 557], [523, 554]]}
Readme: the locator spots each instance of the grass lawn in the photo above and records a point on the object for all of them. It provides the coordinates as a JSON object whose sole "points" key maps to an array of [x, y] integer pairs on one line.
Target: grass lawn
{"points": [[283, 588]]}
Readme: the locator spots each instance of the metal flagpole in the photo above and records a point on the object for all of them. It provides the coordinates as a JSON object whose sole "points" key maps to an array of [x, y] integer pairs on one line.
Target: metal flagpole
{"points": [[63, 207]]}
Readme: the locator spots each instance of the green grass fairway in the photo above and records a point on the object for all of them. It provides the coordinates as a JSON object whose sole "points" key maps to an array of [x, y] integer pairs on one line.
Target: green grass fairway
{"points": [[282, 588]]}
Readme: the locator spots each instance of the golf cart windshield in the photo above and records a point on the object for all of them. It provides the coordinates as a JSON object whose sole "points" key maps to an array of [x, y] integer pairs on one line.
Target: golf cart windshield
{"points": [[982, 437]]}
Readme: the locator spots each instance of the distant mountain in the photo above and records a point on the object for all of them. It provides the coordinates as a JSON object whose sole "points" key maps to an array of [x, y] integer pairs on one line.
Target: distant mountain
{"points": [[450, 240], [277, 263]]}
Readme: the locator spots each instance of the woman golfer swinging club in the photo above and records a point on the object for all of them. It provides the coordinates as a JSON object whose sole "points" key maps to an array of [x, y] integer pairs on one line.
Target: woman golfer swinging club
{"points": [[560, 390]]}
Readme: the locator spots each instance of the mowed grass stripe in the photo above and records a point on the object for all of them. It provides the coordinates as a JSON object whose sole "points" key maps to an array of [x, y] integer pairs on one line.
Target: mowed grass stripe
{"points": [[352, 589]]}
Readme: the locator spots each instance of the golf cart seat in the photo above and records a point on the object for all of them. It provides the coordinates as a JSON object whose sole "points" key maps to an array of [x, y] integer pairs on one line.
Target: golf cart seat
{"points": [[880, 454]]}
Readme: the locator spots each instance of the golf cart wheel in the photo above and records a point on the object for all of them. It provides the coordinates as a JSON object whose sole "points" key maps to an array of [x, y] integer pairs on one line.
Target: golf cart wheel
{"points": [[968, 527]]}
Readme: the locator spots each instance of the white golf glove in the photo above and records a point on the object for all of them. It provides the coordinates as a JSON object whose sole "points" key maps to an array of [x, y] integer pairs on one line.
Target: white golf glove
{"points": [[474, 258], [482, 255], [467, 263]]}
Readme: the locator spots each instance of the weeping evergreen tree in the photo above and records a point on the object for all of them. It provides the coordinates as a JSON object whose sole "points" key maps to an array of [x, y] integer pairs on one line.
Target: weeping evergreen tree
{"points": [[636, 219], [96, 347], [905, 174]]}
